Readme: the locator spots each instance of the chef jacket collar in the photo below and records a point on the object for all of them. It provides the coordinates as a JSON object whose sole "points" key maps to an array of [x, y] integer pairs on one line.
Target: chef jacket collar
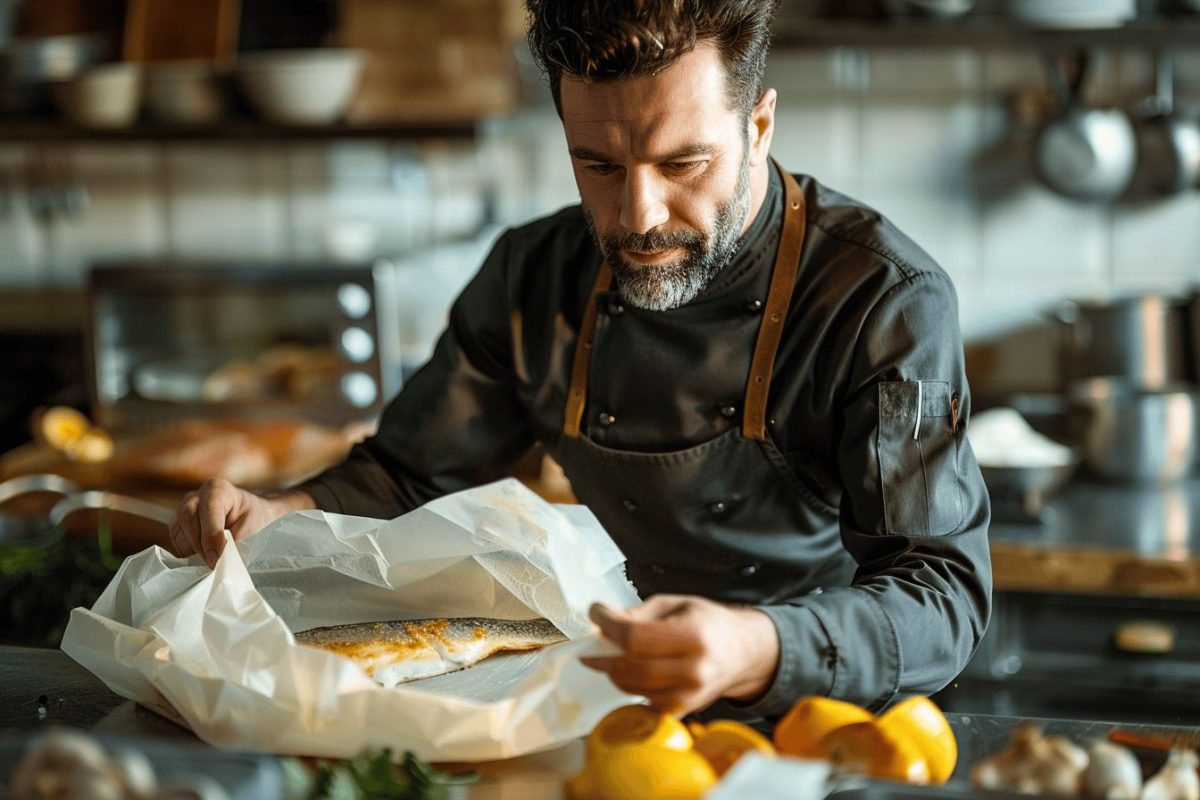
{"points": [[757, 246]]}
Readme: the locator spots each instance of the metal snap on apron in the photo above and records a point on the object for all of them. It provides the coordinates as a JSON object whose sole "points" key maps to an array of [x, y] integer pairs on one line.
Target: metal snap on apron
{"points": [[726, 519]]}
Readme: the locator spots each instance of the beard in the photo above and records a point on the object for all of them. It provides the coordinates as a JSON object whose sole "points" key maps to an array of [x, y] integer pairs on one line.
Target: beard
{"points": [[661, 287]]}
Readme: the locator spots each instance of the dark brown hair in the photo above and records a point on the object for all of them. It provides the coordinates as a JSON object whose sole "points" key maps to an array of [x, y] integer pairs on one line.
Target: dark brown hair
{"points": [[612, 39]]}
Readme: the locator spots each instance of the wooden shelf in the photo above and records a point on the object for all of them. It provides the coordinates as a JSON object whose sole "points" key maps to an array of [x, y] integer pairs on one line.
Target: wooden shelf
{"points": [[983, 32], [46, 130]]}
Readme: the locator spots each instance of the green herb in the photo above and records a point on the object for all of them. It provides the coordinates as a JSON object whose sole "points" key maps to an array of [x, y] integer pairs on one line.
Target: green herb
{"points": [[373, 776], [42, 580]]}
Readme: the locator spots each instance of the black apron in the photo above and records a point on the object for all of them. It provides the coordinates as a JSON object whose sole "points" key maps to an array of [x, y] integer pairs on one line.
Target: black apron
{"points": [[726, 519]]}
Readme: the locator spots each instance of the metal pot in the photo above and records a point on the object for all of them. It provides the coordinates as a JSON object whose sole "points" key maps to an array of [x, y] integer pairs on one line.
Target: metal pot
{"points": [[1084, 153], [1168, 142], [1139, 339], [1133, 434]]}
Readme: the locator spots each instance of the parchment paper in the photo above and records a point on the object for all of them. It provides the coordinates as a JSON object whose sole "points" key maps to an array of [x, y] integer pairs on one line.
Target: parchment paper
{"points": [[215, 649]]}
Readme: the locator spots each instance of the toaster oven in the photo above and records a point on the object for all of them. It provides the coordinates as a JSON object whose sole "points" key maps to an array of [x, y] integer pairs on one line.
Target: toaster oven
{"points": [[250, 340]]}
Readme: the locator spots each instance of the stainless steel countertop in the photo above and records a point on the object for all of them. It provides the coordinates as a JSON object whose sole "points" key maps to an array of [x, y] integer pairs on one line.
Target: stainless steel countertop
{"points": [[77, 699], [1151, 521]]}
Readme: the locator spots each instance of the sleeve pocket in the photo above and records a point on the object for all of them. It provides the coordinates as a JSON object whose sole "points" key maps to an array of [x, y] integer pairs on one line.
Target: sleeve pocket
{"points": [[918, 458]]}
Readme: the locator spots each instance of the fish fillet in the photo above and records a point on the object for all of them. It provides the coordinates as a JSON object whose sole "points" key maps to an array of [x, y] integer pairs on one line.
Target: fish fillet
{"points": [[397, 652]]}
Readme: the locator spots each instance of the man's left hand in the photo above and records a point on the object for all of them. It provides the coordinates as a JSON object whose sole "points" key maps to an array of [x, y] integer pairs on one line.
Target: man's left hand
{"points": [[684, 653]]}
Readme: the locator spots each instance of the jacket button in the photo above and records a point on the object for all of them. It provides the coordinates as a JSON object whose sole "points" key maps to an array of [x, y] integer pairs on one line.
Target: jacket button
{"points": [[616, 309], [606, 419], [754, 306], [717, 507], [748, 570], [629, 505], [728, 410], [657, 569]]}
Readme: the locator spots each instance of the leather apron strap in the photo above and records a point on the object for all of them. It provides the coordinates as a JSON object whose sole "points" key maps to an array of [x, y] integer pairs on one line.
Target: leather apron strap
{"points": [[770, 330], [779, 298], [577, 394]]}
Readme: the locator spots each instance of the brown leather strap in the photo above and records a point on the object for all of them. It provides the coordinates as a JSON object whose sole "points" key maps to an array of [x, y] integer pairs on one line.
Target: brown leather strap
{"points": [[779, 297], [577, 393]]}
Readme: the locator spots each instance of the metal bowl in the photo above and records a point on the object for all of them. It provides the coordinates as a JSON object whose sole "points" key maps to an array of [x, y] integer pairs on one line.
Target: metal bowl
{"points": [[1024, 491]]}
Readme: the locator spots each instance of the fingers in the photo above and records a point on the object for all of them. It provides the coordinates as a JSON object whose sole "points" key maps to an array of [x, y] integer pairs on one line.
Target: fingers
{"points": [[218, 503], [674, 686], [185, 528], [647, 675], [658, 627], [200, 522]]}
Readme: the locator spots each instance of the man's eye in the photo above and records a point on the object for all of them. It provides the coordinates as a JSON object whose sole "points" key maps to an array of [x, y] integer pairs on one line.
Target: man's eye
{"points": [[601, 169], [683, 167]]}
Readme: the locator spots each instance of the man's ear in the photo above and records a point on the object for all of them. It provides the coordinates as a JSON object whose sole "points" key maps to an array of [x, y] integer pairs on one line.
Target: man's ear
{"points": [[761, 125]]}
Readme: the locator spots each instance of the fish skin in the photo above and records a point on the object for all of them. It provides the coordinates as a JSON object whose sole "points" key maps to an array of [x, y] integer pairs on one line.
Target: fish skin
{"points": [[407, 650]]}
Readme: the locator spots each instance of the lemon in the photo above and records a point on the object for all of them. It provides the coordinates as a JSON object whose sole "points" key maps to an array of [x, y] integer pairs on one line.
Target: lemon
{"points": [[725, 741], [920, 721], [640, 771], [638, 724], [801, 730]]}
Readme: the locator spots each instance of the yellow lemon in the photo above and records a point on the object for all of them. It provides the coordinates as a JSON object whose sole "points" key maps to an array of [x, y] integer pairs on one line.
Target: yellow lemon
{"points": [[638, 724], [61, 427], [867, 748], [723, 742], [801, 730], [639, 771], [920, 721]]}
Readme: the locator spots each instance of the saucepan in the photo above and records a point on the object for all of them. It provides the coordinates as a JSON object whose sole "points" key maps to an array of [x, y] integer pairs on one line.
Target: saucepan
{"points": [[1084, 153], [1136, 435]]}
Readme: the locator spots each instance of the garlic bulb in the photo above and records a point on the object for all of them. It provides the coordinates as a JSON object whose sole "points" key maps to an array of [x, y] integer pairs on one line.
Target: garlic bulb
{"points": [[1177, 780], [1112, 773], [1034, 764]]}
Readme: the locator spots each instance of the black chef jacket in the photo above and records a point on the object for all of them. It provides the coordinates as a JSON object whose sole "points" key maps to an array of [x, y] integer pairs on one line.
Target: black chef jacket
{"points": [[899, 593]]}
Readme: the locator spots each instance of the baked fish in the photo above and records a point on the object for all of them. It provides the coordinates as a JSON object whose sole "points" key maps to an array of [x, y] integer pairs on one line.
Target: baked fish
{"points": [[407, 650]]}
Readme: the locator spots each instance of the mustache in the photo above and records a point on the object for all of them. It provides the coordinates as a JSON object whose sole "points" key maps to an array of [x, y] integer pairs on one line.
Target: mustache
{"points": [[653, 241]]}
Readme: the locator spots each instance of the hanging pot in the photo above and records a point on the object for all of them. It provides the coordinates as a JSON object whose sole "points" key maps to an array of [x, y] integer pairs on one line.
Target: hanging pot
{"points": [[1084, 153], [1168, 142]]}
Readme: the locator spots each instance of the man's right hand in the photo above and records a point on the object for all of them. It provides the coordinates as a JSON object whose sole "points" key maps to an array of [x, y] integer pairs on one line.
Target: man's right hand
{"points": [[201, 519]]}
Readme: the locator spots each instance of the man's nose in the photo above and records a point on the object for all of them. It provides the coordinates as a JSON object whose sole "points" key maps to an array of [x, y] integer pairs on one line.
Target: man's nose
{"points": [[644, 207]]}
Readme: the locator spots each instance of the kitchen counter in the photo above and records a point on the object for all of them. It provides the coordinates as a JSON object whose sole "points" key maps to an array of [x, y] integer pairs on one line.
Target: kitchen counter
{"points": [[1092, 538], [1105, 539], [75, 698]]}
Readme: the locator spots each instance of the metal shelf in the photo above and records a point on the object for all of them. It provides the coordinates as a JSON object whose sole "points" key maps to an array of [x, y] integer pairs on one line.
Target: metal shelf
{"points": [[47, 130], [983, 32]]}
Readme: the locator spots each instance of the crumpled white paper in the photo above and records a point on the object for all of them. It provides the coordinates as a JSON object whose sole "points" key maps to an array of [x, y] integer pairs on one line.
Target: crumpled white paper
{"points": [[214, 649]]}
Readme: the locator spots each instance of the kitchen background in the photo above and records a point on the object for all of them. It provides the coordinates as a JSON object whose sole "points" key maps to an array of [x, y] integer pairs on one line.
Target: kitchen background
{"points": [[936, 137], [299, 270]]}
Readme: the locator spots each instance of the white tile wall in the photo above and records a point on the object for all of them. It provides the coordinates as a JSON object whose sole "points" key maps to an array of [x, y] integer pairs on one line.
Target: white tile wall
{"points": [[22, 239], [1028, 230], [123, 214], [226, 202]]}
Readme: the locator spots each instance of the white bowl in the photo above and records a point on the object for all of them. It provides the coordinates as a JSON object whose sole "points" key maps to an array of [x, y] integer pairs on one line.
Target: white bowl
{"points": [[1078, 14], [300, 87], [183, 92], [104, 96]]}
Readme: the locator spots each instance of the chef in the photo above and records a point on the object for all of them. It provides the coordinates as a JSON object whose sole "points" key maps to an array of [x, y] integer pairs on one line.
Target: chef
{"points": [[756, 384]]}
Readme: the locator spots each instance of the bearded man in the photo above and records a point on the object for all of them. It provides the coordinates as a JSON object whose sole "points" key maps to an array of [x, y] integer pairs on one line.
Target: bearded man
{"points": [[754, 382]]}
